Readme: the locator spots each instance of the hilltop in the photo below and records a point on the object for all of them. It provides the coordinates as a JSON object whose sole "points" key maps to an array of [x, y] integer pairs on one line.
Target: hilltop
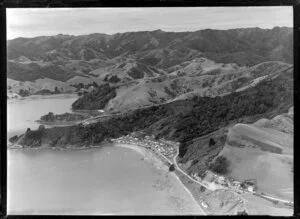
{"points": [[139, 56], [181, 120], [198, 77], [246, 46]]}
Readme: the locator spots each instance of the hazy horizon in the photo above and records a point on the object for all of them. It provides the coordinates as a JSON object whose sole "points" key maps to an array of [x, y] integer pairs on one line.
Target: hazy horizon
{"points": [[148, 31], [29, 22]]}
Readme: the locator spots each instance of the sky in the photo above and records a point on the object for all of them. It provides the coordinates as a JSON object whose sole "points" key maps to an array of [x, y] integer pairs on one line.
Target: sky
{"points": [[31, 22]]}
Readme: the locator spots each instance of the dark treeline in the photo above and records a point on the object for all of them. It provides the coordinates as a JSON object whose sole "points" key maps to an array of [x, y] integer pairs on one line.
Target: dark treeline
{"points": [[182, 120], [96, 99], [50, 117], [85, 86], [24, 93]]}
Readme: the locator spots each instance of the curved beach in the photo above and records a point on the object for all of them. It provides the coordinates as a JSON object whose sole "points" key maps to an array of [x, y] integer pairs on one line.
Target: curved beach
{"points": [[172, 185]]}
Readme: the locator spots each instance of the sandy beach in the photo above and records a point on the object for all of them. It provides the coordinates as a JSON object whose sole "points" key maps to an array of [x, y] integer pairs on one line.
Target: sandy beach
{"points": [[171, 184]]}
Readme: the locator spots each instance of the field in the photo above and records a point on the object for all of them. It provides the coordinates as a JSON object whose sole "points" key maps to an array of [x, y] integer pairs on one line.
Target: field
{"points": [[259, 206]]}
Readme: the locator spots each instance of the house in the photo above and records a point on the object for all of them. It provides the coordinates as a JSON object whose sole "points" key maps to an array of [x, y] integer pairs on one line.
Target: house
{"points": [[236, 183], [250, 188], [204, 204], [221, 179]]}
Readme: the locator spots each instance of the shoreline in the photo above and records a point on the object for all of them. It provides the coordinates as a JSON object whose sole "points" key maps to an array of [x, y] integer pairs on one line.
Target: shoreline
{"points": [[46, 96], [67, 148], [190, 193], [187, 200], [148, 155], [162, 166]]}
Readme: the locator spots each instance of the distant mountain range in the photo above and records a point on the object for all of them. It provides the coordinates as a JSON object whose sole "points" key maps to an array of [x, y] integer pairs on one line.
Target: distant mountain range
{"points": [[162, 49], [149, 67]]}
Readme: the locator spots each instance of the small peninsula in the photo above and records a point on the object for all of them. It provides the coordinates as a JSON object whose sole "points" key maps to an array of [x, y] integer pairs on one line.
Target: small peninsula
{"points": [[65, 117]]}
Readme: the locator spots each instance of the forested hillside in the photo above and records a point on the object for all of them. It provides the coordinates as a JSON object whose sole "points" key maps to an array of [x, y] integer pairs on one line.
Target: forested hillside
{"points": [[181, 121]]}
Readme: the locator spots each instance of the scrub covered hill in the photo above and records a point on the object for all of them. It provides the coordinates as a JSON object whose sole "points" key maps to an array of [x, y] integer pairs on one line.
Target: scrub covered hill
{"points": [[142, 56], [96, 99], [244, 46], [199, 77], [183, 120]]}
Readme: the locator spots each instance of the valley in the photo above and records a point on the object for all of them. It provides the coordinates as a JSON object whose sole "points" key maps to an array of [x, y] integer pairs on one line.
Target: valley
{"points": [[218, 105], [174, 64]]}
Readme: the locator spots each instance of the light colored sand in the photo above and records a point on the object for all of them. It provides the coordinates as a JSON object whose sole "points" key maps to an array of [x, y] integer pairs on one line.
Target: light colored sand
{"points": [[138, 149], [177, 187]]}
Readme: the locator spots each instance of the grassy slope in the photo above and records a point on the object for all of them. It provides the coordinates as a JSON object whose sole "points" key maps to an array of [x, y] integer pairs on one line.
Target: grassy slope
{"points": [[201, 82], [272, 170], [183, 121]]}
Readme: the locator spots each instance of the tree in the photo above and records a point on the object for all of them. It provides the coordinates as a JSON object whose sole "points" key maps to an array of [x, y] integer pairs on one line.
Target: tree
{"points": [[56, 90], [95, 84], [23, 93], [211, 142], [172, 167], [220, 165], [194, 162], [80, 85], [242, 212]]}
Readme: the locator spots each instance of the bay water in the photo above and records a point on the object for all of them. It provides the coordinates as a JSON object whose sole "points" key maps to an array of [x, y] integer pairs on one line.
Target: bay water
{"points": [[104, 180]]}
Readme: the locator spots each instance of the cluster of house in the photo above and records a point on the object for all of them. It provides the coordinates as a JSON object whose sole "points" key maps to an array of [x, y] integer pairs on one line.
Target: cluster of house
{"points": [[230, 183], [165, 149], [148, 142], [245, 186]]}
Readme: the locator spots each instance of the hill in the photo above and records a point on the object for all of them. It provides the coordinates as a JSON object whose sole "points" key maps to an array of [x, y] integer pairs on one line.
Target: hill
{"points": [[45, 85], [138, 56], [199, 77], [267, 147], [183, 120], [246, 46]]}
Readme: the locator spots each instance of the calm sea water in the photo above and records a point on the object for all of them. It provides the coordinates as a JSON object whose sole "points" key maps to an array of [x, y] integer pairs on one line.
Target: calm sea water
{"points": [[23, 113], [108, 180]]}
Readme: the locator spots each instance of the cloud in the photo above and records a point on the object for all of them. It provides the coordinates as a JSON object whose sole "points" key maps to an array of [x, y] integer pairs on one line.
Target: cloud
{"points": [[28, 22]]}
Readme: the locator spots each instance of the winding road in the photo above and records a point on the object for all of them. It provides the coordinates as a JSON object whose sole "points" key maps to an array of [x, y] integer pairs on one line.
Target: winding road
{"points": [[175, 162], [174, 159], [179, 169]]}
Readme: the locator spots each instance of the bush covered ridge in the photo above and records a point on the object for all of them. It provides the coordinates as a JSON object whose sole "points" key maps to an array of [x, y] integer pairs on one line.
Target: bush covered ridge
{"points": [[182, 120], [96, 99], [220, 165], [244, 46], [50, 117]]}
